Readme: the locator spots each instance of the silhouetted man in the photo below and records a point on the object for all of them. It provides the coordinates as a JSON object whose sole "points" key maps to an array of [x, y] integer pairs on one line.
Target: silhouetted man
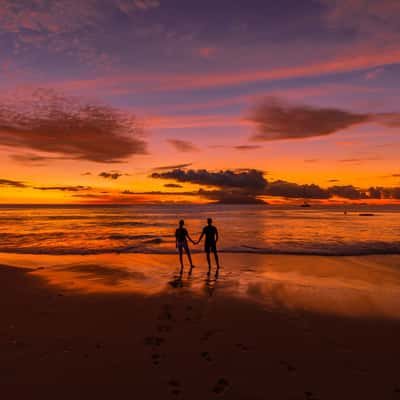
{"points": [[181, 240], [210, 244]]}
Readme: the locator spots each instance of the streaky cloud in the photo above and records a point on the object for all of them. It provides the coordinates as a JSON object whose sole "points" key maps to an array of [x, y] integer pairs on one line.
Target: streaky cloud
{"points": [[173, 185], [77, 188], [247, 147], [169, 167], [12, 183]]}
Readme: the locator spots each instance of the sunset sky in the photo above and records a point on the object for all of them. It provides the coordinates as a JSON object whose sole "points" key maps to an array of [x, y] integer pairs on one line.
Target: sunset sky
{"points": [[131, 101]]}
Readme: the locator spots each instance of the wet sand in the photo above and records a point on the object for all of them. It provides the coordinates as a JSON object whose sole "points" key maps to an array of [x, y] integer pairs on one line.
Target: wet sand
{"points": [[269, 327]]}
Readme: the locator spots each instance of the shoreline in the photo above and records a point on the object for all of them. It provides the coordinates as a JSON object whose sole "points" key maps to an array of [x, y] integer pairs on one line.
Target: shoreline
{"points": [[197, 251]]}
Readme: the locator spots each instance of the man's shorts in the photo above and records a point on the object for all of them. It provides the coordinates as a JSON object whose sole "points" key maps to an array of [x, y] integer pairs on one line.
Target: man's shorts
{"points": [[210, 247]]}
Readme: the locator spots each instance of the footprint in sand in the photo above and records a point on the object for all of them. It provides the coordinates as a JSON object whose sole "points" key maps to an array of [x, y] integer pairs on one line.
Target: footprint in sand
{"points": [[164, 328], [242, 347], [154, 341], [166, 314], [221, 386], [289, 367], [18, 343], [175, 387], [193, 314], [206, 356], [208, 334], [310, 396], [156, 358]]}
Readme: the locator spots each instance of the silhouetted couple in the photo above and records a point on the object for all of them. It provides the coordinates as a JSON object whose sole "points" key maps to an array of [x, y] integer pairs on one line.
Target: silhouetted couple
{"points": [[210, 244]]}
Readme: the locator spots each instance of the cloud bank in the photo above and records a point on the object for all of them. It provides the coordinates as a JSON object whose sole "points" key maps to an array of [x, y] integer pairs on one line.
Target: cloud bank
{"points": [[250, 186], [251, 180]]}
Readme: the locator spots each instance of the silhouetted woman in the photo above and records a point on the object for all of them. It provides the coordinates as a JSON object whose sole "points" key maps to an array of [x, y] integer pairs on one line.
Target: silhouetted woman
{"points": [[181, 237]]}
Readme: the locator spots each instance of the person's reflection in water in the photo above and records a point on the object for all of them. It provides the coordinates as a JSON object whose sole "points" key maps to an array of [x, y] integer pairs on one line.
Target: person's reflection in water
{"points": [[211, 284], [177, 282]]}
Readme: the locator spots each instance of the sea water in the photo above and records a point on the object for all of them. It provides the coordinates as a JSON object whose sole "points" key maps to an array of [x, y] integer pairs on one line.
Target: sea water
{"points": [[323, 230]]}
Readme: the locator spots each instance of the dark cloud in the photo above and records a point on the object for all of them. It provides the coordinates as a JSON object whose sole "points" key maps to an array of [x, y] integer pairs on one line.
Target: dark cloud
{"points": [[113, 175], [247, 147], [86, 174], [293, 190], [170, 167], [233, 187], [78, 188], [173, 185], [12, 183], [250, 186], [52, 123], [394, 193], [183, 145], [230, 197], [276, 119], [347, 192], [333, 180], [375, 193], [251, 180]]}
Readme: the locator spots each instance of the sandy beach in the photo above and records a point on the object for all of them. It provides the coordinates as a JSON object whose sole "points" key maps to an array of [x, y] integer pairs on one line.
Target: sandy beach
{"points": [[311, 328]]}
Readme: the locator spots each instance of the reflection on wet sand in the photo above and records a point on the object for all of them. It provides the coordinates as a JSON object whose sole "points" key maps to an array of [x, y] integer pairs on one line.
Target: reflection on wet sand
{"points": [[351, 286]]}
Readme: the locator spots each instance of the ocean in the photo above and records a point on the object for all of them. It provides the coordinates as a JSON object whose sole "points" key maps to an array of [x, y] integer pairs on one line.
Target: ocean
{"points": [[149, 229]]}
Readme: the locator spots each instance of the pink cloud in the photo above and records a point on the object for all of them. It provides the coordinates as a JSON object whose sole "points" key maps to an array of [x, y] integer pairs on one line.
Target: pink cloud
{"points": [[207, 52], [129, 6], [370, 75], [165, 82], [368, 17]]}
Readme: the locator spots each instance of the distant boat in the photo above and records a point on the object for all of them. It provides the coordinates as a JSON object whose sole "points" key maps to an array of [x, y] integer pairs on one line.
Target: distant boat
{"points": [[366, 215], [305, 204]]}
